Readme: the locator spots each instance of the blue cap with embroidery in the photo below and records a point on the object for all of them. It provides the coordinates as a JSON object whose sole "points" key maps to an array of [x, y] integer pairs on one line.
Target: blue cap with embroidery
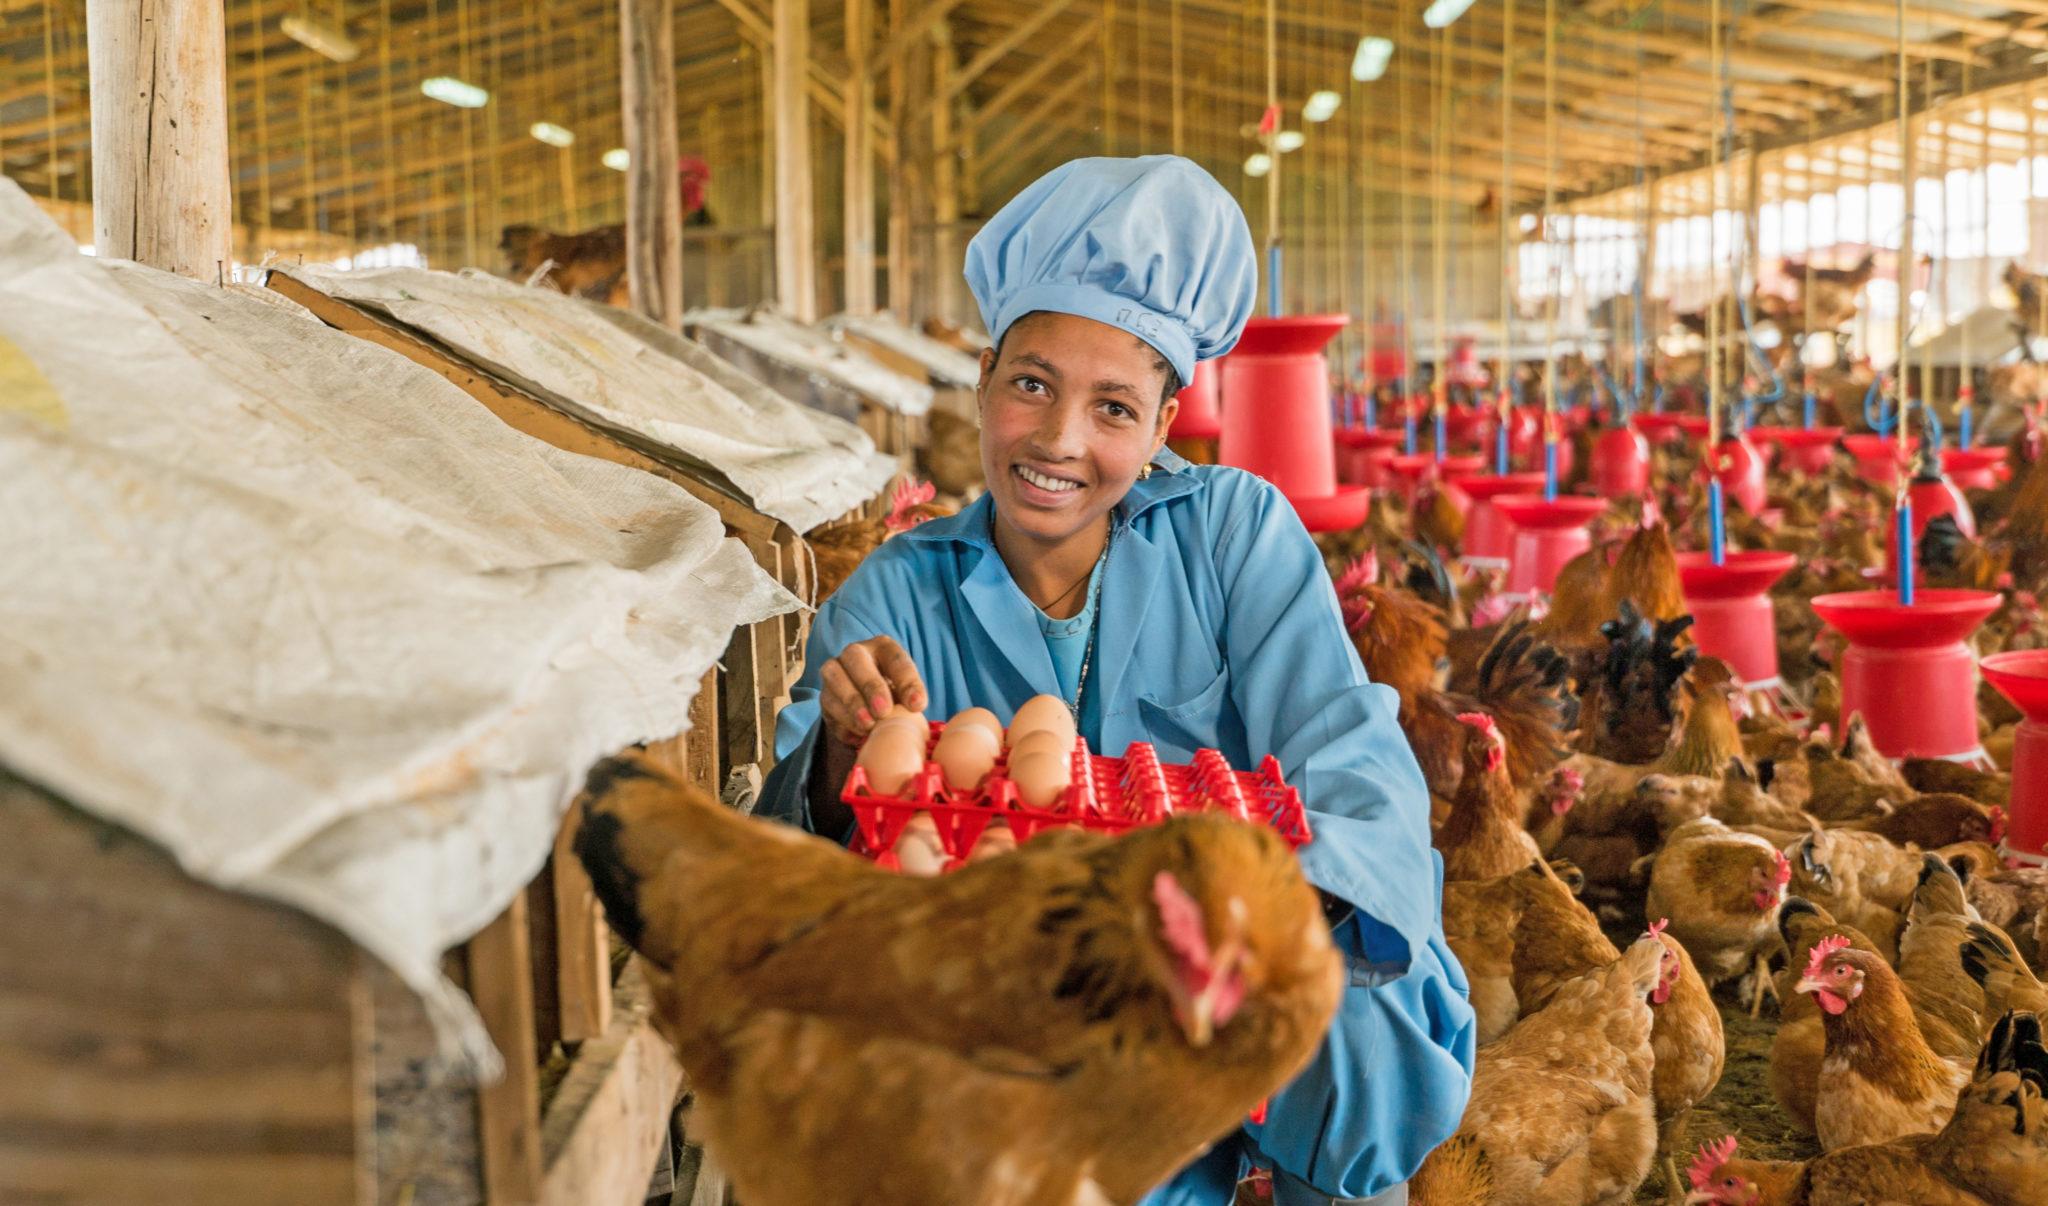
{"points": [[1153, 245]]}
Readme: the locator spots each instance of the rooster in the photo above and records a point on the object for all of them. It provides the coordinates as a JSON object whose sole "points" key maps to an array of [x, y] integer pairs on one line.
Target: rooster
{"points": [[1070, 1022], [840, 548]]}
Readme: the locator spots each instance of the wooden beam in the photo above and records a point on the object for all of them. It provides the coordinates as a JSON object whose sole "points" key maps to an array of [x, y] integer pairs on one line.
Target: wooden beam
{"points": [[607, 1122], [796, 282], [996, 51], [654, 196], [1082, 39], [857, 234], [1036, 121], [160, 134], [902, 37]]}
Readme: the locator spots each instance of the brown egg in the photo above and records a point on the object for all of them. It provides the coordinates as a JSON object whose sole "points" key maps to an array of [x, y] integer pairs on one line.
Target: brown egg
{"points": [[979, 718], [1042, 740], [1047, 712], [891, 756], [996, 839], [965, 754], [1040, 777], [919, 851]]}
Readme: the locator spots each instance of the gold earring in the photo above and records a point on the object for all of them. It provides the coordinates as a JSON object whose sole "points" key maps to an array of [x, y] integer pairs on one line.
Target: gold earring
{"points": [[1145, 472]]}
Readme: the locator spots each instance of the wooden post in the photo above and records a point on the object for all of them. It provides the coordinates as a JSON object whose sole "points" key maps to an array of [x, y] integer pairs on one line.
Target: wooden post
{"points": [[945, 260], [654, 194], [796, 279], [859, 209], [158, 71], [905, 178]]}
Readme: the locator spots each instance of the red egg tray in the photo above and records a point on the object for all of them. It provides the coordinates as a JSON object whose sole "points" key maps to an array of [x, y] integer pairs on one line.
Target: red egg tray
{"points": [[1107, 795]]}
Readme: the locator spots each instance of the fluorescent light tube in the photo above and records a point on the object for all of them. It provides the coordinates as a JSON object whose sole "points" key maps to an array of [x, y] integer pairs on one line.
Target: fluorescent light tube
{"points": [[616, 159], [451, 91], [552, 134], [321, 38], [1258, 164], [1289, 140], [1442, 12], [1370, 63], [1322, 106]]}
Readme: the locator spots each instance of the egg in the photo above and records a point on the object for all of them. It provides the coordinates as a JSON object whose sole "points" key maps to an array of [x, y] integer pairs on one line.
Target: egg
{"points": [[1045, 740], [919, 851], [980, 718], [900, 718], [996, 839], [965, 754], [891, 757], [1047, 712], [1040, 777]]}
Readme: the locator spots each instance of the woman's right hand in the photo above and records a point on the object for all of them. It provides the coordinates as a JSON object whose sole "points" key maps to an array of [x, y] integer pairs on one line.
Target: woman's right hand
{"points": [[862, 684]]}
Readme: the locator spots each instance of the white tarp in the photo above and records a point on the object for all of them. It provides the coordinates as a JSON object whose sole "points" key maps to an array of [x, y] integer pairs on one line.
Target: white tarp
{"points": [[312, 618], [814, 351], [794, 463], [947, 364]]}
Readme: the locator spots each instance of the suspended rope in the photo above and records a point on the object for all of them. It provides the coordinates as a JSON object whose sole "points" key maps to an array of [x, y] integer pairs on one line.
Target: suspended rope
{"points": [[1901, 501], [1555, 282], [1503, 376], [1439, 221]]}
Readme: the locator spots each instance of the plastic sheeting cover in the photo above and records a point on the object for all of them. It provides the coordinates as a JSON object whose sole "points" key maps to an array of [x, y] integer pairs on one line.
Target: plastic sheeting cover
{"points": [[947, 364], [791, 462], [815, 351], [309, 616]]}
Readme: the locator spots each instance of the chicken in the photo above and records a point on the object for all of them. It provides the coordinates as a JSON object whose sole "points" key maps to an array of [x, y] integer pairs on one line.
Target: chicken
{"points": [[1072, 1021], [1722, 890], [1479, 926], [1862, 878], [1456, 1174], [1950, 560], [1879, 1079], [1993, 963], [592, 263], [1990, 788], [2014, 900], [1800, 1042], [1855, 781], [1720, 1178], [1633, 704], [1483, 836], [840, 548], [1690, 1048], [1589, 592], [1521, 683], [1561, 1109], [1828, 294], [1948, 1003], [1934, 820]]}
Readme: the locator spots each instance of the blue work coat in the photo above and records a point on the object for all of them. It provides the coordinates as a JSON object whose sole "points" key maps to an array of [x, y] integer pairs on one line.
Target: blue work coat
{"points": [[1219, 629]]}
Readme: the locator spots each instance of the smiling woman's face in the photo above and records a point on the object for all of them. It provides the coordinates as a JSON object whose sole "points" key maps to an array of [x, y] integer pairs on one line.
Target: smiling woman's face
{"points": [[1070, 412]]}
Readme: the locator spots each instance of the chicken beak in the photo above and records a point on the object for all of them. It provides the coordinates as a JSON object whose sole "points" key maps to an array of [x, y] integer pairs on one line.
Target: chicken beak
{"points": [[1807, 984], [1198, 1019]]}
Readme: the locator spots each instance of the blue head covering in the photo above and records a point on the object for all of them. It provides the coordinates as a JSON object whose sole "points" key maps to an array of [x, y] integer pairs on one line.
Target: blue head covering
{"points": [[1152, 245]]}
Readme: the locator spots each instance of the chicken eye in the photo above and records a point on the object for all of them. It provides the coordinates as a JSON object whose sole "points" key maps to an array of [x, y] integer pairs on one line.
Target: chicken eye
{"points": [[1841, 972], [1730, 1183]]}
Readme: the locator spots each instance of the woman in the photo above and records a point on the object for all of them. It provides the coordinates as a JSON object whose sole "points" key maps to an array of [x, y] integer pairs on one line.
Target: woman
{"points": [[1179, 605]]}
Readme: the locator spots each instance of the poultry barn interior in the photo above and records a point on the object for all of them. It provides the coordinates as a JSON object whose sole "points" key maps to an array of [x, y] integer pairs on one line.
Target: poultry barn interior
{"points": [[433, 617]]}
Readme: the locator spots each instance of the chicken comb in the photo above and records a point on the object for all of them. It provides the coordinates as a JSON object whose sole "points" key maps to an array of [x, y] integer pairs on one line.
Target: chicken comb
{"points": [[1480, 721], [1362, 572], [1824, 948], [1998, 822], [1781, 872], [1712, 1156], [909, 493], [1180, 920], [1658, 927]]}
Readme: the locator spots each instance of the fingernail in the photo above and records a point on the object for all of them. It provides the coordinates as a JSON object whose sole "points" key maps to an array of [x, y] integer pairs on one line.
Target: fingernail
{"points": [[881, 703], [865, 717]]}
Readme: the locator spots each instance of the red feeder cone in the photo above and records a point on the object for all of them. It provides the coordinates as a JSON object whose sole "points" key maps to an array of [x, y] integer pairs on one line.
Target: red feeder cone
{"points": [[1453, 469], [1877, 457], [1741, 471], [1931, 494], [1407, 471], [1621, 463], [1489, 537], [1907, 669], [1972, 468], [2022, 677], [1464, 425], [1362, 454], [1278, 422], [1808, 449], [1198, 421], [1695, 427], [1656, 428], [1547, 534], [1731, 610]]}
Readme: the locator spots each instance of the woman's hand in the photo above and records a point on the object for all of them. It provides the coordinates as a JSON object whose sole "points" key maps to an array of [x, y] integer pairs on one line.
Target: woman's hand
{"points": [[863, 684]]}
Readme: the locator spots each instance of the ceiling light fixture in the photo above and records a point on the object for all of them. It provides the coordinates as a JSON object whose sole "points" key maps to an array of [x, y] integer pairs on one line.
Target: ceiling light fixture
{"points": [[552, 134], [1322, 106], [321, 38], [1258, 164], [1370, 63], [1442, 12], [451, 91], [616, 159]]}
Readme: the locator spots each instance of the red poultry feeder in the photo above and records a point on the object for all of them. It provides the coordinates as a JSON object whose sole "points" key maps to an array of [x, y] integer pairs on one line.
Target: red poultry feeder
{"points": [[1731, 610], [1406, 471], [1740, 469], [1465, 425], [1451, 470], [1973, 468], [1932, 495], [1548, 533], [1806, 449], [1489, 537], [1658, 428], [1200, 416], [1362, 454], [1525, 434], [1695, 427], [2022, 677], [1907, 669], [1621, 463], [1877, 457], [1278, 422]]}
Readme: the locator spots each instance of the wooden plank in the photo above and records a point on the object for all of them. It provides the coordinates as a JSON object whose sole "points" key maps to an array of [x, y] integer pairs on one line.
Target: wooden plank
{"points": [[857, 221], [609, 1120], [654, 197], [160, 134], [583, 969], [508, 1112], [701, 750], [739, 695], [796, 281], [163, 1039]]}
